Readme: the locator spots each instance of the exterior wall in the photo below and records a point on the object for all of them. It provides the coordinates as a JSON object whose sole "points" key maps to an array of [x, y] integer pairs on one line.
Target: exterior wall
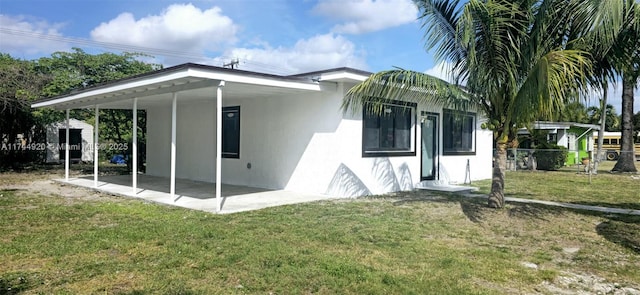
{"points": [[53, 143], [452, 169], [195, 140], [299, 143]]}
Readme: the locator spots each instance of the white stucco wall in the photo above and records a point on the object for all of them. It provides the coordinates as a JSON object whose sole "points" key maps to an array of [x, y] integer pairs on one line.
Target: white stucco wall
{"points": [[298, 143], [195, 138], [53, 142]]}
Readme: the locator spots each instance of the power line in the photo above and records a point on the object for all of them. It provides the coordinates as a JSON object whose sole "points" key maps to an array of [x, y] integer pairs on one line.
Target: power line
{"points": [[146, 50]]}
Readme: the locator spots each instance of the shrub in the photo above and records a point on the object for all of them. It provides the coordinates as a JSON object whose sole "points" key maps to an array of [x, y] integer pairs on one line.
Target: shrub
{"points": [[551, 157]]}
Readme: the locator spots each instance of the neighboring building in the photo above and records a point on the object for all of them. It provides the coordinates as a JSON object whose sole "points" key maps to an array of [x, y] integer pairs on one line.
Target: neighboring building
{"points": [[288, 132], [80, 141], [576, 137]]}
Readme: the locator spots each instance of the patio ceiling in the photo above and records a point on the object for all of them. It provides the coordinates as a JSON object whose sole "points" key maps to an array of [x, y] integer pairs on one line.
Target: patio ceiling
{"points": [[192, 82]]}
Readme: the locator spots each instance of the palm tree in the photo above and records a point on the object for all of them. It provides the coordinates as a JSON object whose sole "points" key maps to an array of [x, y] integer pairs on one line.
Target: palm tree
{"points": [[615, 48], [630, 70], [573, 112], [612, 121], [517, 59], [626, 160]]}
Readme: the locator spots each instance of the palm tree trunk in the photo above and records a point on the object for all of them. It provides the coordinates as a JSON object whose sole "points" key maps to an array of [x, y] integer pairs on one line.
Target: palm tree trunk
{"points": [[626, 161], [603, 107], [496, 197]]}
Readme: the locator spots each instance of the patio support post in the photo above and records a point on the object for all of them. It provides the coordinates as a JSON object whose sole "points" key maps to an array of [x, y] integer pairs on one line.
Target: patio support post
{"points": [[219, 146], [66, 150], [172, 186], [134, 148], [96, 147]]}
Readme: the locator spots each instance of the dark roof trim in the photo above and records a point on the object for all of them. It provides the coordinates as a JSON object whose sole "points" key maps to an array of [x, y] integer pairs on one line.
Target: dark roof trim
{"points": [[177, 68]]}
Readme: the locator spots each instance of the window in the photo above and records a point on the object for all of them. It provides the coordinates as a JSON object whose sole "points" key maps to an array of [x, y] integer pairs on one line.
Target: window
{"points": [[231, 132], [389, 133], [458, 136]]}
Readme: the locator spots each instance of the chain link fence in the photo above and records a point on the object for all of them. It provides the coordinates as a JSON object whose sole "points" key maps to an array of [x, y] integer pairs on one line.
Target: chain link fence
{"points": [[530, 159]]}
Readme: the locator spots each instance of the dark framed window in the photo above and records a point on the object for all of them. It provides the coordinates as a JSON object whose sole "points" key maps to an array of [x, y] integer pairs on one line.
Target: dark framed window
{"points": [[388, 133], [458, 134], [231, 132]]}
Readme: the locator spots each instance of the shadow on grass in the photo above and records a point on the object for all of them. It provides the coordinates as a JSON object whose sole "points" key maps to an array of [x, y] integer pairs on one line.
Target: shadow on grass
{"points": [[621, 229], [475, 208]]}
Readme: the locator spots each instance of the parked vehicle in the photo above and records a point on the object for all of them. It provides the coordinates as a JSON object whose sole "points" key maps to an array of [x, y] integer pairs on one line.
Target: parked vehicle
{"points": [[611, 145]]}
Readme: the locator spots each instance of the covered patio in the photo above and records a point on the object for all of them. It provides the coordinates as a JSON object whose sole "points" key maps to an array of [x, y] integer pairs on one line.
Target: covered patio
{"points": [[188, 88], [195, 195]]}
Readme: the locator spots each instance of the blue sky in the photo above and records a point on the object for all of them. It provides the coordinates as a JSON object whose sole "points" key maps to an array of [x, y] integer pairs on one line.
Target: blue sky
{"points": [[274, 36], [279, 36]]}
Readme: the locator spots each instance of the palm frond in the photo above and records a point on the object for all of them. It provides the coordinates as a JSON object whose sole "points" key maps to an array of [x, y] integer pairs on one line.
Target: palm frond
{"points": [[553, 82], [440, 20], [386, 86]]}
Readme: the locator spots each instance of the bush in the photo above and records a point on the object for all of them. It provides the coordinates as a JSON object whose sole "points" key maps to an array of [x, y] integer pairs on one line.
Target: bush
{"points": [[551, 157]]}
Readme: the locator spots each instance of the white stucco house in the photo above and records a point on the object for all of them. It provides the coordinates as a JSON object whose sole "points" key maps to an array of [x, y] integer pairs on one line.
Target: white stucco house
{"points": [[252, 129], [80, 140]]}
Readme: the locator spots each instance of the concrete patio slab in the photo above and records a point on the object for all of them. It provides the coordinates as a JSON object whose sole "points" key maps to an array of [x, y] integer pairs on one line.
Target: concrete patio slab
{"points": [[195, 195]]}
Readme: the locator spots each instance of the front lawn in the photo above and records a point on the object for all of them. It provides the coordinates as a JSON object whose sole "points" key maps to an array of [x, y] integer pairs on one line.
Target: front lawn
{"points": [[411, 243], [620, 190]]}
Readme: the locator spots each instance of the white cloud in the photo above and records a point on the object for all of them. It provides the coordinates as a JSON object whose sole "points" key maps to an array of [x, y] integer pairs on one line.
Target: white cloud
{"points": [[364, 16], [23, 36], [180, 27], [444, 71], [316, 53], [441, 70]]}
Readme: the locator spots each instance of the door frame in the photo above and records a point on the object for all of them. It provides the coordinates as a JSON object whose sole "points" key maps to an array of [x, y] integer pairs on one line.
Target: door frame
{"points": [[436, 145]]}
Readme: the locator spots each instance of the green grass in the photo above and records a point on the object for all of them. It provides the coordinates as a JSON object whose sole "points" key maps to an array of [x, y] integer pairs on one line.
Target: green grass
{"points": [[411, 243], [566, 185]]}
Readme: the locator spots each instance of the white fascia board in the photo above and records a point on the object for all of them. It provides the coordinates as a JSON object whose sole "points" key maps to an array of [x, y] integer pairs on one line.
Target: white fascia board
{"points": [[126, 89], [342, 77], [262, 81], [111, 89]]}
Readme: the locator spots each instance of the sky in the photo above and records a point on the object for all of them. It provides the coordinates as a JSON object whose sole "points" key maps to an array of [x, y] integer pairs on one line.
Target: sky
{"points": [[272, 36]]}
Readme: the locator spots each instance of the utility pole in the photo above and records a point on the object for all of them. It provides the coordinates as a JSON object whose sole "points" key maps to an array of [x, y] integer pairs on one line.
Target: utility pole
{"points": [[232, 65]]}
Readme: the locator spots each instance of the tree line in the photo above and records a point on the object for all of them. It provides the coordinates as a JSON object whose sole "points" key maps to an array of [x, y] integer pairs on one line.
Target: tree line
{"points": [[24, 81]]}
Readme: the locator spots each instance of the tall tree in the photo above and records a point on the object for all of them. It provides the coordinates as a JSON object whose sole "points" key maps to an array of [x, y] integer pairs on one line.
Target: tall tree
{"points": [[19, 85], [23, 81], [572, 112], [518, 60], [629, 68], [78, 69], [627, 158], [615, 49], [611, 119]]}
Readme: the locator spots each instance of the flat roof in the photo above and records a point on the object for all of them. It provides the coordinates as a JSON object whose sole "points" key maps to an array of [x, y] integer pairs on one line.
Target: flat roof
{"points": [[191, 76]]}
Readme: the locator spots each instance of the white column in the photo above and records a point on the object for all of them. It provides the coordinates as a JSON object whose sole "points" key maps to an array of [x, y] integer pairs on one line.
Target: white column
{"points": [[219, 147], [66, 151], [172, 186], [96, 148], [134, 148]]}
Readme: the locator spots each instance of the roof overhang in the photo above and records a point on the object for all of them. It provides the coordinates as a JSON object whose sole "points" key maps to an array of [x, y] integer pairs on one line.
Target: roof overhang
{"points": [[348, 75], [553, 127], [196, 81], [562, 125]]}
